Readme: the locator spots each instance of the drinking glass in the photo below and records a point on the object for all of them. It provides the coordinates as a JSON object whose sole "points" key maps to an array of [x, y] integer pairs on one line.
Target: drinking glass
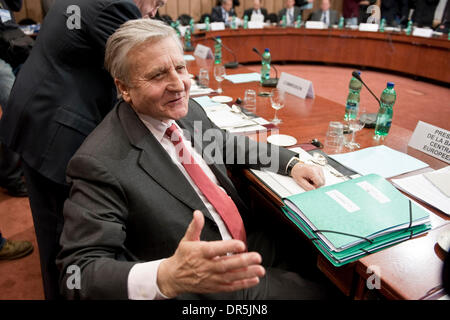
{"points": [[250, 100], [355, 124], [277, 98], [203, 78], [219, 74], [334, 139]]}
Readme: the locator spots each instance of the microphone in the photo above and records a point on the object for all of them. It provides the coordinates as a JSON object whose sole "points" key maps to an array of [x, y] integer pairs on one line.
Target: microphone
{"points": [[272, 82], [229, 65], [357, 76]]}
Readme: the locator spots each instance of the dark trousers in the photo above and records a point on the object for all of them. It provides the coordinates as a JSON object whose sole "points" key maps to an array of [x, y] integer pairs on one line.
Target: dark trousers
{"points": [[46, 202], [10, 169]]}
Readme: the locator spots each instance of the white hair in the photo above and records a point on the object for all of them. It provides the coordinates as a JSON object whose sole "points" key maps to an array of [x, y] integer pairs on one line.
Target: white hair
{"points": [[132, 34]]}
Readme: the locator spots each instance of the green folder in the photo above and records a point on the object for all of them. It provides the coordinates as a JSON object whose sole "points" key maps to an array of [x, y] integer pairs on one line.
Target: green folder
{"points": [[351, 219]]}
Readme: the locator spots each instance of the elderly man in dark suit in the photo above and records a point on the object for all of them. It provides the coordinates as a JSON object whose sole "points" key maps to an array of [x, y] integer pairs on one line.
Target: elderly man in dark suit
{"points": [[61, 93], [223, 13], [155, 210], [325, 14], [290, 11], [256, 11]]}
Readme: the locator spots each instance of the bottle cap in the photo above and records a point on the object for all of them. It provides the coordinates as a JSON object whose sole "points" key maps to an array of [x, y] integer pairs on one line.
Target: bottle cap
{"points": [[390, 85], [267, 50], [358, 72]]}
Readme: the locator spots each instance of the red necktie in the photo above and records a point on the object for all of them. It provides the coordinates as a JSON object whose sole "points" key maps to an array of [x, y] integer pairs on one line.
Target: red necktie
{"points": [[223, 204]]}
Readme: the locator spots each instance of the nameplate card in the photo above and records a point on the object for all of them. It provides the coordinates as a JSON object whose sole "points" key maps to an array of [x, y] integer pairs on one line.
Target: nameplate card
{"points": [[432, 140], [422, 32], [200, 26], [296, 86], [371, 27], [315, 25], [215, 26], [203, 52], [255, 24]]}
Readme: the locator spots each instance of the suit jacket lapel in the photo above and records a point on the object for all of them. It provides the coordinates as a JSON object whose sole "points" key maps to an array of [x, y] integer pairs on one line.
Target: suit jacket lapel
{"points": [[155, 161]]}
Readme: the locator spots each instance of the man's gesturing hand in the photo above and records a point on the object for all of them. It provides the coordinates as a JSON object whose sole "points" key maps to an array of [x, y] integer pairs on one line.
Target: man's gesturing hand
{"points": [[308, 177], [204, 267]]}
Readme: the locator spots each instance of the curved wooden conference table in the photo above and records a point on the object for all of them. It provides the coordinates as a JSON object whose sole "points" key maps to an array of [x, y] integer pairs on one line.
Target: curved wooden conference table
{"points": [[422, 57], [306, 119]]}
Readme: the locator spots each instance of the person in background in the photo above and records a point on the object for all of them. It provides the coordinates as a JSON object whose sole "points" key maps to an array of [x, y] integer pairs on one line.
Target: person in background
{"points": [[223, 13], [257, 12], [325, 14], [11, 172], [350, 11], [290, 11], [363, 5], [444, 26], [424, 13], [61, 93]]}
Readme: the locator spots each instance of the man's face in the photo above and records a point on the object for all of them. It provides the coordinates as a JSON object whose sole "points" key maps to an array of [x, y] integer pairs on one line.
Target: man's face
{"points": [[290, 3], [227, 4], [256, 4], [159, 81], [325, 5], [149, 8]]}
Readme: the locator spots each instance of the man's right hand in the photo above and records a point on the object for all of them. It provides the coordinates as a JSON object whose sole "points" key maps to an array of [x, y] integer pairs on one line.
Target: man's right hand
{"points": [[204, 267]]}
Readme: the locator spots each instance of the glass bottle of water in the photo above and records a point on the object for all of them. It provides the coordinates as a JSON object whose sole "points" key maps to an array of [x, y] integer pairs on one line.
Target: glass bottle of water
{"points": [[265, 65], [409, 28], [353, 98], [384, 117], [341, 23], [207, 26], [382, 24], [283, 21], [218, 51], [245, 22], [298, 23]]}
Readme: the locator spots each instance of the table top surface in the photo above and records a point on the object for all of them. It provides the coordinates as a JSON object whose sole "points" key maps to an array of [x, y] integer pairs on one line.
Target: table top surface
{"points": [[307, 119]]}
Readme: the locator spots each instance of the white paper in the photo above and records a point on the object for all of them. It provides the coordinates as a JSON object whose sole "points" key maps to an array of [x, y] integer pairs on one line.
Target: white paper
{"points": [[371, 27], [422, 32], [380, 160], [440, 179], [421, 188], [286, 186], [315, 25], [215, 26]]}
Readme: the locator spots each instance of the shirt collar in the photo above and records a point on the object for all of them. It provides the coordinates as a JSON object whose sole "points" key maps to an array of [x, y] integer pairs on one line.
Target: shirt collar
{"points": [[157, 127]]}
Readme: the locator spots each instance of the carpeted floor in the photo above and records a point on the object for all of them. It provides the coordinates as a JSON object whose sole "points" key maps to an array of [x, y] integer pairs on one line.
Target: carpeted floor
{"points": [[21, 279]]}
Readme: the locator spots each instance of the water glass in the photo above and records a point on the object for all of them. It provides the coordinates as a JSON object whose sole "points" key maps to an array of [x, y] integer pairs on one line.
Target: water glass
{"points": [[203, 78], [219, 74], [334, 139], [250, 100]]}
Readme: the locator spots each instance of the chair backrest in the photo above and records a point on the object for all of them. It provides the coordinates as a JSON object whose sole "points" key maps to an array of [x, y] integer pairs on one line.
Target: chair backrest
{"points": [[184, 19], [273, 17]]}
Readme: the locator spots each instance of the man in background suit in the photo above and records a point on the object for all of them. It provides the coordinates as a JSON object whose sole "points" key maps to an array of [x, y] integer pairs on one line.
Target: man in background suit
{"points": [[61, 93], [256, 11], [325, 14], [223, 13], [290, 11], [157, 214]]}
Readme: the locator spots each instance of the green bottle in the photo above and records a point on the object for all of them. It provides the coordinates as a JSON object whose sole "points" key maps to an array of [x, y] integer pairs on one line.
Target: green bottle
{"points": [[218, 51], [207, 26], [384, 117], [353, 98], [233, 23], [382, 24], [245, 22], [408, 28], [265, 65], [298, 23], [191, 25], [341, 23], [187, 40]]}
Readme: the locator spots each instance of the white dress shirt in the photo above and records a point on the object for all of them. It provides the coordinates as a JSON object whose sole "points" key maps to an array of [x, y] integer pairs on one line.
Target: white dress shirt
{"points": [[142, 279], [257, 16], [325, 17], [290, 19]]}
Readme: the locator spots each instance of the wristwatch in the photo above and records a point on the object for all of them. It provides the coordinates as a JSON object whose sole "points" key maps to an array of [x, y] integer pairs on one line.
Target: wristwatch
{"points": [[292, 163]]}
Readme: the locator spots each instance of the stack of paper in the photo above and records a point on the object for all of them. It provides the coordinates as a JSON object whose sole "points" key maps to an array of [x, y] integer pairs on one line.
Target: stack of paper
{"points": [[431, 187], [354, 218]]}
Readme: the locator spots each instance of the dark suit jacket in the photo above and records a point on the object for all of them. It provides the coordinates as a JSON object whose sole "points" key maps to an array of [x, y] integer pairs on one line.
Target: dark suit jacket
{"points": [[62, 91], [334, 16], [297, 12], [249, 12], [130, 203], [216, 14]]}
